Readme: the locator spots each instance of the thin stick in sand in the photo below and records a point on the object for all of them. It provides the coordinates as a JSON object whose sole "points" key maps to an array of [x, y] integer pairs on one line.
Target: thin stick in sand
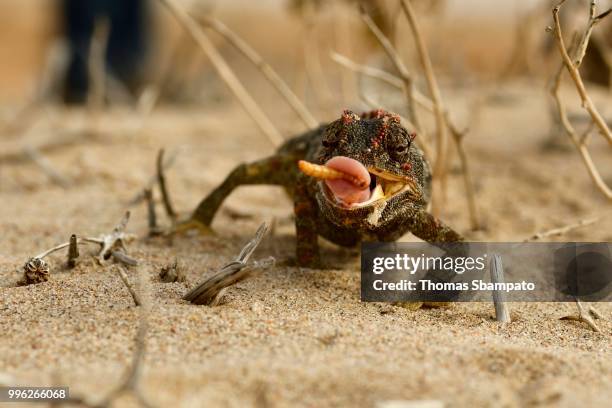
{"points": [[161, 179], [502, 314]]}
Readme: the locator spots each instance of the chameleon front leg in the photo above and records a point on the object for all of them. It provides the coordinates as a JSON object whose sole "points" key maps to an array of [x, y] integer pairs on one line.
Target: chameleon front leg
{"points": [[429, 228], [274, 170], [432, 230]]}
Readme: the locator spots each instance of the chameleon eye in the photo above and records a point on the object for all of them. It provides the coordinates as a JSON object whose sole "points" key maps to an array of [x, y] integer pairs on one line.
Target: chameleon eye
{"points": [[401, 149]]}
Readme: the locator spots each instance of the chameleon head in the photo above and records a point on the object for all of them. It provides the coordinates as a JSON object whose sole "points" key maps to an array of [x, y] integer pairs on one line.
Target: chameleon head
{"points": [[368, 169]]}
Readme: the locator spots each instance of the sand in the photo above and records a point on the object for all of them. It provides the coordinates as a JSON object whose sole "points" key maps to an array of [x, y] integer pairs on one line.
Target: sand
{"points": [[288, 336]]}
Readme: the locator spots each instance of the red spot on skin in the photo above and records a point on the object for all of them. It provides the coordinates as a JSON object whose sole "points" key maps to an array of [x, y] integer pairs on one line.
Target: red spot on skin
{"points": [[412, 136], [407, 166], [374, 114], [348, 117]]}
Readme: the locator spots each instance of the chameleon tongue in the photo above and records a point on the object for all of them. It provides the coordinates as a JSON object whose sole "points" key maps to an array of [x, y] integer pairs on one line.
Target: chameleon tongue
{"points": [[347, 178], [345, 191]]}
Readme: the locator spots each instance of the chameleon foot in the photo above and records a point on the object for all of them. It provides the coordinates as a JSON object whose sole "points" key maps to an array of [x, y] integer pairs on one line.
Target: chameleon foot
{"points": [[190, 224], [586, 315]]}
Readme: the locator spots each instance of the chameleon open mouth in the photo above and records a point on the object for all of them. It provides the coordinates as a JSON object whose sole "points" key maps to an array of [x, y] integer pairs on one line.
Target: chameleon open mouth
{"points": [[349, 184]]}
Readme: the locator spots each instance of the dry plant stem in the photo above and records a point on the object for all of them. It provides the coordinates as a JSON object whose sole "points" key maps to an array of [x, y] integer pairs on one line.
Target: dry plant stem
{"points": [[572, 66], [383, 76], [555, 232], [46, 166], [434, 90], [161, 179], [123, 275], [56, 143], [502, 314], [467, 174], [225, 72], [170, 159], [151, 214], [73, 251], [580, 143], [271, 75], [404, 74], [585, 316], [210, 291]]}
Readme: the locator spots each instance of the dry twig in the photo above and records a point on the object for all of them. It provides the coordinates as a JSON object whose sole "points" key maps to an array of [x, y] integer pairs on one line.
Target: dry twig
{"points": [[573, 69], [151, 213], [169, 160], [406, 77], [573, 66], [434, 90], [46, 166], [383, 76], [161, 179], [36, 270], [211, 290], [225, 72], [585, 316], [128, 285], [470, 194], [555, 232], [73, 251], [268, 72]]}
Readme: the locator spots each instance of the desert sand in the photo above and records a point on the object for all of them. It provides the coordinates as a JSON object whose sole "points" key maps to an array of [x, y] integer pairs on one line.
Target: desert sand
{"points": [[289, 336]]}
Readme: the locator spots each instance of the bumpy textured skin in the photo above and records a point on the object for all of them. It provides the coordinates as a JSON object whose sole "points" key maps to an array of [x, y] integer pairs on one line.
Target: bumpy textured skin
{"points": [[377, 140]]}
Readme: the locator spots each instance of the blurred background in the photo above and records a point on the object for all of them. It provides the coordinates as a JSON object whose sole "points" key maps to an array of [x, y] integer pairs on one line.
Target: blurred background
{"points": [[128, 72]]}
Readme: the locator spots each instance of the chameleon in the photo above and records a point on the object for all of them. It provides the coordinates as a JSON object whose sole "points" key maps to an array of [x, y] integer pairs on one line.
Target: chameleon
{"points": [[358, 178]]}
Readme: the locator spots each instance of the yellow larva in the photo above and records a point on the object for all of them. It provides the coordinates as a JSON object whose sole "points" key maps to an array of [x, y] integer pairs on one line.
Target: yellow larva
{"points": [[327, 173]]}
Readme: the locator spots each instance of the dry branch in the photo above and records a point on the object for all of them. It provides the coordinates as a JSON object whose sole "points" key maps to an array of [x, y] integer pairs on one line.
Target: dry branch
{"points": [[441, 116], [434, 90], [470, 194], [573, 70], [409, 88], [225, 72], [210, 291], [573, 66], [268, 72], [383, 76]]}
